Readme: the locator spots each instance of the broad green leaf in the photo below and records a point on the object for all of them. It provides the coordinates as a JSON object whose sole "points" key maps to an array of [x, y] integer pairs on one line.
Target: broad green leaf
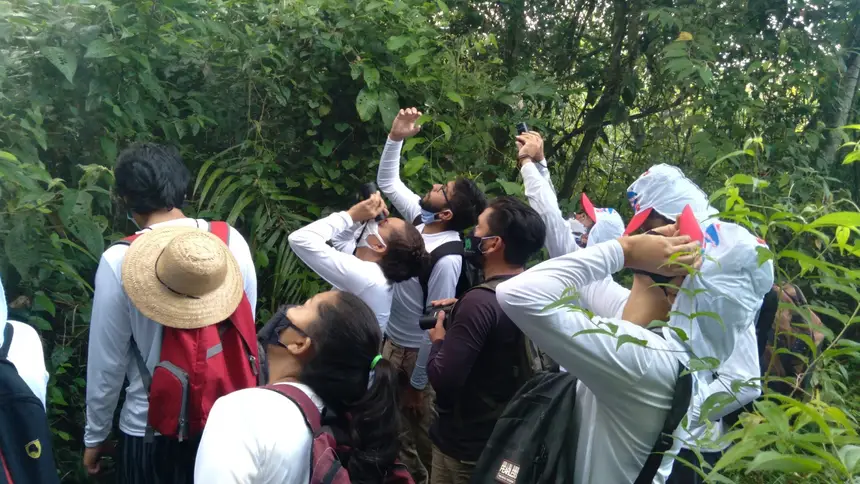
{"points": [[63, 59], [412, 142], [414, 57], [413, 165], [109, 149], [511, 188], [715, 403], [847, 219], [445, 129], [99, 49], [764, 254], [850, 456], [396, 42], [371, 76], [8, 156], [41, 302], [626, 338], [442, 6], [40, 323], [389, 106], [730, 155], [785, 463], [366, 104], [456, 98], [704, 363], [851, 157]]}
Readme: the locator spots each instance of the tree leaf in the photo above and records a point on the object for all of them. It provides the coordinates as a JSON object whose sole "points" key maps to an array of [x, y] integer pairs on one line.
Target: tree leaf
{"points": [[511, 188], [371, 76], [684, 36], [41, 302], [445, 129], [99, 49], [846, 219], [415, 57], [412, 142], [413, 165], [784, 463], [63, 59], [366, 103], [396, 42], [851, 157], [456, 98], [109, 149], [626, 338], [389, 106]]}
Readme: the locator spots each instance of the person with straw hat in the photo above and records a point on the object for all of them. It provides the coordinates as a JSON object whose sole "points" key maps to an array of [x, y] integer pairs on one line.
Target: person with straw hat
{"points": [[151, 185]]}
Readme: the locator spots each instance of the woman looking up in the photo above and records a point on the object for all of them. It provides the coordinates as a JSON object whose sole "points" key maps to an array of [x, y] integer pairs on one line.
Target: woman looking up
{"points": [[366, 257], [328, 348]]}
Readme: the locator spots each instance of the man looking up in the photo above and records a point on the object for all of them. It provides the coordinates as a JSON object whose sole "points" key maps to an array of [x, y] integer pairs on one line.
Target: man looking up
{"points": [[478, 364], [440, 215]]}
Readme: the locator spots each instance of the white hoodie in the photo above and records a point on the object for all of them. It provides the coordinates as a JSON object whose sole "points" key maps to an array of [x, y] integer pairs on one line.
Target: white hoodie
{"points": [[25, 352]]}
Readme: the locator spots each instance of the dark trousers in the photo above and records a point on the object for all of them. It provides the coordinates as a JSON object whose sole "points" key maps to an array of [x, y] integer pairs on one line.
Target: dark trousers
{"points": [[162, 461], [681, 474]]}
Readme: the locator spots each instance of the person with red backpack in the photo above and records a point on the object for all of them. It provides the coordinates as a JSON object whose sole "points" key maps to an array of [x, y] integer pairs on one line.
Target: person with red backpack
{"points": [[173, 313], [329, 413]]}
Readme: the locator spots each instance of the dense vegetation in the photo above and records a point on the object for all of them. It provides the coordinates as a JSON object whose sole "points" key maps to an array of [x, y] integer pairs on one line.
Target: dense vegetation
{"points": [[281, 109]]}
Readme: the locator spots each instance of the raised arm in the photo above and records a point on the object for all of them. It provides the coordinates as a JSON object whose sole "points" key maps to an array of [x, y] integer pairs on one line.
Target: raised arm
{"points": [[388, 176], [344, 271]]}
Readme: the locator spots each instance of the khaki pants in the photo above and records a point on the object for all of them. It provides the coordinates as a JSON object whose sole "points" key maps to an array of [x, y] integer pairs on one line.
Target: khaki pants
{"points": [[448, 470], [416, 451]]}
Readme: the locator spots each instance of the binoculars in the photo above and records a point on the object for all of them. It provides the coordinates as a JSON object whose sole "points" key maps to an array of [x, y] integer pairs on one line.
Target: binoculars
{"points": [[365, 191]]}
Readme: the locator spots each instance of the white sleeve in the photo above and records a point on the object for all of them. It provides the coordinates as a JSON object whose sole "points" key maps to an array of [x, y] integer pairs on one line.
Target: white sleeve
{"points": [[388, 180], [28, 356], [559, 239], [442, 285], [593, 358], [344, 271], [741, 366], [107, 353], [239, 246], [345, 241]]}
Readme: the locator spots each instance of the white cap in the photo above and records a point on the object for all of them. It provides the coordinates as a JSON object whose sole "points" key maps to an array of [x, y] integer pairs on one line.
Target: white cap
{"points": [[608, 224], [664, 188]]}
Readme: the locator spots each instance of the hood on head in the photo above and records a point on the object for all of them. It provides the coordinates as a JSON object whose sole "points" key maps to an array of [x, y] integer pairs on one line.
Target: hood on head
{"points": [[609, 226], [667, 190], [730, 283]]}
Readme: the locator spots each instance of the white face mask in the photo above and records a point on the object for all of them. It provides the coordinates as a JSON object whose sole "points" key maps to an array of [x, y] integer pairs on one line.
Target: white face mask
{"points": [[371, 228]]}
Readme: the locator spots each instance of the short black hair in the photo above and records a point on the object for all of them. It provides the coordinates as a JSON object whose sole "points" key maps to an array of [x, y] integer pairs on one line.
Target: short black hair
{"points": [[406, 256], [466, 203], [151, 177], [519, 226]]}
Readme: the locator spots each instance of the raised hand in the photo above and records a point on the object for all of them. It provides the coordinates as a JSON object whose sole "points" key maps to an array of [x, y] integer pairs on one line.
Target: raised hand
{"points": [[404, 124], [368, 209], [530, 146], [669, 256]]}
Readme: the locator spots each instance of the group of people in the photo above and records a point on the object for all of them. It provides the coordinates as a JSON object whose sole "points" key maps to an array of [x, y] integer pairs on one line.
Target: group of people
{"points": [[210, 399]]}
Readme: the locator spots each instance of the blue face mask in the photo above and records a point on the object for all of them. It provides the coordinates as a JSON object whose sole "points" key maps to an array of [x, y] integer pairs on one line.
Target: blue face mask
{"points": [[428, 217]]}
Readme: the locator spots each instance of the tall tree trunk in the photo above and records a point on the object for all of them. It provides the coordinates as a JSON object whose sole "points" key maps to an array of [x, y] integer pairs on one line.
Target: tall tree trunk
{"points": [[845, 96]]}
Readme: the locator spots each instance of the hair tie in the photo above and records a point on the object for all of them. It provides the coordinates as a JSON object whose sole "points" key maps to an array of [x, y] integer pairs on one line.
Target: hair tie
{"points": [[375, 361]]}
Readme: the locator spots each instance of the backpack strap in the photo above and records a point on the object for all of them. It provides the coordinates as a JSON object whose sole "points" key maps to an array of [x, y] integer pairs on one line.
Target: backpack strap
{"points": [[454, 247], [680, 403], [303, 401], [417, 221], [7, 341], [222, 230]]}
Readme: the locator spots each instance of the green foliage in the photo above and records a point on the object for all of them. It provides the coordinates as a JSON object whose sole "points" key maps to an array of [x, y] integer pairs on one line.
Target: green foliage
{"points": [[281, 109]]}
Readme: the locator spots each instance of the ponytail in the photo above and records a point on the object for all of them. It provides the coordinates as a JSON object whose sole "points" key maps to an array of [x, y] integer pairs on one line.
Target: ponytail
{"points": [[374, 427]]}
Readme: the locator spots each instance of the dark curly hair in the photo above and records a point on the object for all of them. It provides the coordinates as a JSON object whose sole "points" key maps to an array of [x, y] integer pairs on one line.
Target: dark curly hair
{"points": [[466, 203], [406, 257], [151, 177]]}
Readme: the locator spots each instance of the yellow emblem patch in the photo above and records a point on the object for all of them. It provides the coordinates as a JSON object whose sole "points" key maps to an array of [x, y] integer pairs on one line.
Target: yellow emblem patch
{"points": [[34, 449]]}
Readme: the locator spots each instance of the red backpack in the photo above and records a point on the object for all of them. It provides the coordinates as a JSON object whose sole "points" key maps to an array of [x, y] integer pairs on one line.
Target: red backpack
{"points": [[328, 459], [198, 365]]}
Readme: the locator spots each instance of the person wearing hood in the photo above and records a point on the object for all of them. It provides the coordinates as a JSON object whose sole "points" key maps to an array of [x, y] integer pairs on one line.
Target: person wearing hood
{"points": [[384, 253], [735, 292]]}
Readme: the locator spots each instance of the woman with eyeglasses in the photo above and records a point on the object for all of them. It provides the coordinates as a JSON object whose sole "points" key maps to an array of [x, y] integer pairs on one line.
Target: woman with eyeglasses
{"points": [[329, 349], [366, 257]]}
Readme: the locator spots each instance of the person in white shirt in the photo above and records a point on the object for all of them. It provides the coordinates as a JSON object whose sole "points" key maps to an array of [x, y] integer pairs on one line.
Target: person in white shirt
{"points": [[328, 348], [733, 282], [386, 252], [151, 181], [25, 351], [440, 215]]}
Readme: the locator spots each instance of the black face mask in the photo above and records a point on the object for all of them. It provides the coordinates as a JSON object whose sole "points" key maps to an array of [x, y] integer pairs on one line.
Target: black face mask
{"points": [[472, 249], [270, 333]]}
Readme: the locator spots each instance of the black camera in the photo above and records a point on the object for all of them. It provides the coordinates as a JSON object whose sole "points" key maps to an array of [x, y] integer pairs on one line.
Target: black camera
{"points": [[522, 128], [428, 321], [365, 191]]}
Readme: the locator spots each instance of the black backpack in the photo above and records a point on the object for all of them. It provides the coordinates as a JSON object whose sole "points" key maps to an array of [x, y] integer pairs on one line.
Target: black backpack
{"points": [[469, 275], [26, 453], [535, 438]]}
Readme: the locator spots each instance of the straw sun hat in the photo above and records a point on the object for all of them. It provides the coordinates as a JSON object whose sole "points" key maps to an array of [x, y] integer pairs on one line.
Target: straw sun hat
{"points": [[182, 277]]}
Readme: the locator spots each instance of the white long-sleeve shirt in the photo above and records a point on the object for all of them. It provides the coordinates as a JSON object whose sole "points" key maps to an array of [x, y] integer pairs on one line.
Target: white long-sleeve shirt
{"points": [[114, 322], [624, 394], [27, 354], [408, 304], [270, 444], [343, 270]]}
